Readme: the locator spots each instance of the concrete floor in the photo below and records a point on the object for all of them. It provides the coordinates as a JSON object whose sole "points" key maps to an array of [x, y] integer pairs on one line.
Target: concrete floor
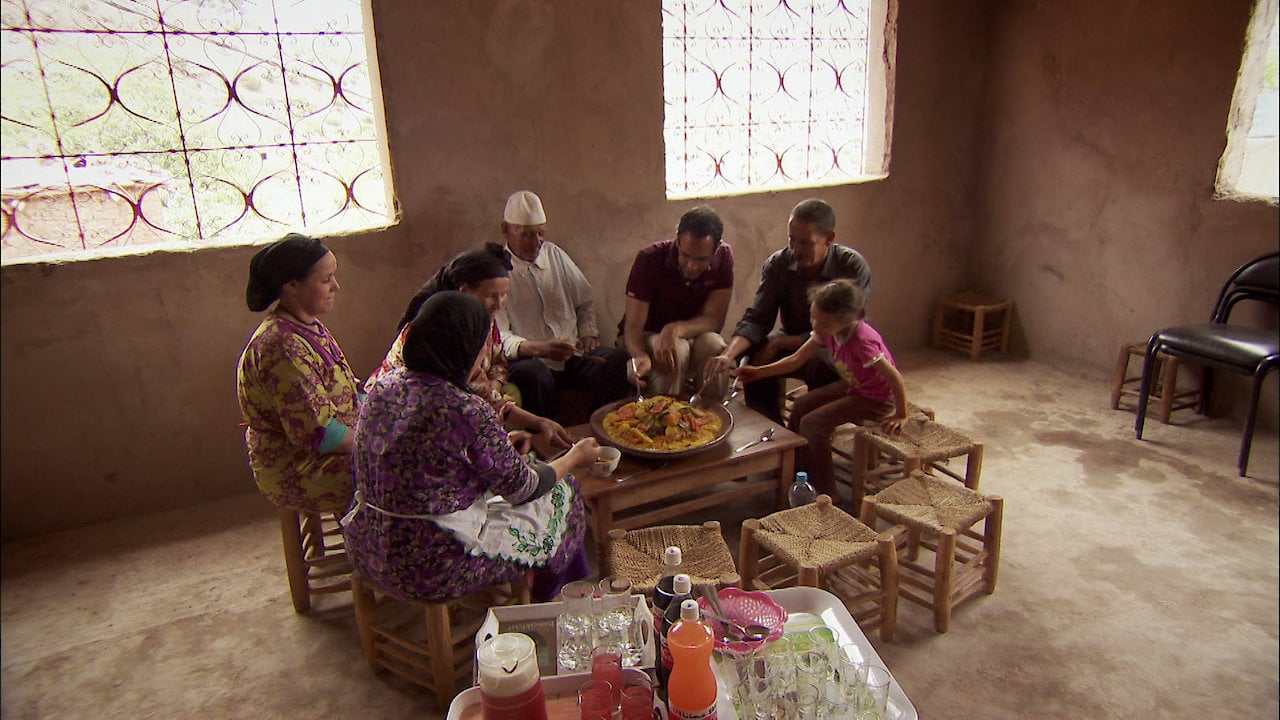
{"points": [[1137, 580]]}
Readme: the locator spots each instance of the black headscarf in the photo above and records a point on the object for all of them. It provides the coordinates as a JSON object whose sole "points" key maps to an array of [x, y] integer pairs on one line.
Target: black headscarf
{"points": [[446, 336], [280, 262], [468, 268]]}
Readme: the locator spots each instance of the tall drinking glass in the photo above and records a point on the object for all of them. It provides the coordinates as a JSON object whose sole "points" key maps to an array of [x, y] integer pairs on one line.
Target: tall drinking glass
{"points": [[575, 627], [616, 623]]}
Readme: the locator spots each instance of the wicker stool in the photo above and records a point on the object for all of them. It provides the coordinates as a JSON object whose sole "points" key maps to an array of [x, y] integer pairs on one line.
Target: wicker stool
{"points": [[1165, 376], [842, 448], [939, 515], [820, 545], [315, 557], [431, 645], [879, 459], [637, 555], [971, 323]]}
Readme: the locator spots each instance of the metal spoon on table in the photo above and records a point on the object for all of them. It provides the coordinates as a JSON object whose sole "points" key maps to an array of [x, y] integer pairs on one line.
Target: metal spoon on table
{"points": [[765, 436]]}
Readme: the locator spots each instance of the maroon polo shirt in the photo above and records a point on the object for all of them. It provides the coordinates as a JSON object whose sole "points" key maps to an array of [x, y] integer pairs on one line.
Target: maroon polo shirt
{"points": [[656, 279]]}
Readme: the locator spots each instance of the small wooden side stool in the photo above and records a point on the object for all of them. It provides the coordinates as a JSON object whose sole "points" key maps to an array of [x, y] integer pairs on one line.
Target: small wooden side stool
{"points": [[1164, 391], [879, 459], [431, 645], [972, 323], [939, 515], [315, 556], [819, 545], [637, 555]]}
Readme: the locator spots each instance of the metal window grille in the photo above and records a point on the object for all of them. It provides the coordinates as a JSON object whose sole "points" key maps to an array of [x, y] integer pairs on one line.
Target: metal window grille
{"points": [[764, 94], [132, 125]]}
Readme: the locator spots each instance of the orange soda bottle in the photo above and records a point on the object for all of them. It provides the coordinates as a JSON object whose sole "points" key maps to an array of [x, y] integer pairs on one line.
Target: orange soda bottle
{"points": [[691, 691]]}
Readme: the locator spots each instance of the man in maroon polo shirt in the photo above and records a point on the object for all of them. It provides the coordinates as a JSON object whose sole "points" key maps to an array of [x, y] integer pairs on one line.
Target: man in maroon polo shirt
{"points": [[677, 297]]}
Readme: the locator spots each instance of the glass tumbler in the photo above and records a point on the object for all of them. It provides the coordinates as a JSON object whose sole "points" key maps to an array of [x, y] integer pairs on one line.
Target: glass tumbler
{"points": [[616, 621], [595, 700], [575, 627]]}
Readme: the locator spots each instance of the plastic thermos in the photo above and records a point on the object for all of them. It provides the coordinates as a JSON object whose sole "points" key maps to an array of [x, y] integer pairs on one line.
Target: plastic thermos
{"points": [[691, 692], [801, 492], [510, 682]]}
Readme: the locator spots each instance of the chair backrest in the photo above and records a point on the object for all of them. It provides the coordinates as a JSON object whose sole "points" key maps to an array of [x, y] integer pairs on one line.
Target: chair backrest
{"points": [[1258, 279]]}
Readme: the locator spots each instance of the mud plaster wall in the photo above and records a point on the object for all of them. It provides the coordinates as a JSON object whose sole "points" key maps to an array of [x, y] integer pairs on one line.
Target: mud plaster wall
{"points": [[118, 375], [1103, 128]]}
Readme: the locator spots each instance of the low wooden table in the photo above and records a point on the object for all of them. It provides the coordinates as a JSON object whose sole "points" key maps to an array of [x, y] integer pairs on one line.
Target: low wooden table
{"points": [[663, 490]]}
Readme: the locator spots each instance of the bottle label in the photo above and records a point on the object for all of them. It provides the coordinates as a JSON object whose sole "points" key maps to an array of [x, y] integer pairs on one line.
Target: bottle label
{"points": [[707, 714]]}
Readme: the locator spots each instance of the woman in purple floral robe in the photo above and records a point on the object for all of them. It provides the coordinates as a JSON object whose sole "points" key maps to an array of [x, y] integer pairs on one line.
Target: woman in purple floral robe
{"points": [[445, 502]]}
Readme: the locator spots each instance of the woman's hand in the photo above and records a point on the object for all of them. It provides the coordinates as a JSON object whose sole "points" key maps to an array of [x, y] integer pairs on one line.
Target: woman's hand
{"points": [[553, 433], [584, 452], [521, 440]]}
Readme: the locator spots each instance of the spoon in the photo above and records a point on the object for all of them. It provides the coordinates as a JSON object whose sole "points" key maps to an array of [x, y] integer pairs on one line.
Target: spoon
{"points": [[765, 436], [729, 398], [636, 371], [735, 631]]}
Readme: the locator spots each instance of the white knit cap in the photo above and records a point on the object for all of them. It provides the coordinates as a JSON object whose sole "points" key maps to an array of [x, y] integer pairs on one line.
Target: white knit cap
{"points": [[524, 208]]}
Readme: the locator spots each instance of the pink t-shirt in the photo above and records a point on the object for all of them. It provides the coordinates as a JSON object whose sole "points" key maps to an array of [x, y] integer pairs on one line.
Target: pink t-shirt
{"points": [[854, 358]]}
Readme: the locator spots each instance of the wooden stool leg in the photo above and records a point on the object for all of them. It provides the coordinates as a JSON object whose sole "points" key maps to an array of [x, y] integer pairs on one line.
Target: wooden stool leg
{"points": [[295, 563], [991, 541], [866, 514], [366, 609], [979, 319], [440, 645], [808, 577], [748, 553], [943, 563], [973, 467], [858, 468], [888, 585], [1117, 381]]}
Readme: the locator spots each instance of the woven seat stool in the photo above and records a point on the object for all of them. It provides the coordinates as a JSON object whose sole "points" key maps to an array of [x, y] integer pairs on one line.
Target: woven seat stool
{"points": [[842, 448], [637, 555], [431, 645], [972, 323], [315, 556], [1165, 376], [879, 459], [819, 545], [939, 515]]}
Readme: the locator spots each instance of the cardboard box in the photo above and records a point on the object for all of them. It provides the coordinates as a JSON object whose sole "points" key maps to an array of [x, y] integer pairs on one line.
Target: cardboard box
{"points": [[538, 621]]}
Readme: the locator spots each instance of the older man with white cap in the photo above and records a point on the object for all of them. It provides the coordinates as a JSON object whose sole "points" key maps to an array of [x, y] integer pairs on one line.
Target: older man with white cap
{"points": [[548, 326]]}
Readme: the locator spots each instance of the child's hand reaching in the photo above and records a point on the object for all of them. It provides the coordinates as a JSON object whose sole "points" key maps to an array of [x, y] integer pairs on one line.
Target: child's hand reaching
{"points": [[747, 373], [893, 425]]}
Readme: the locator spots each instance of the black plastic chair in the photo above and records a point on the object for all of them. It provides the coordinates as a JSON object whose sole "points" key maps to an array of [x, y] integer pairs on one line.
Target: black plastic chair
{"points": [[1240, 349]]}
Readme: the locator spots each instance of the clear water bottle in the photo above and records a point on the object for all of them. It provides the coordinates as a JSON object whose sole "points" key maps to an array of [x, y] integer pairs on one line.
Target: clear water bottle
{"points": [[801, 492]]}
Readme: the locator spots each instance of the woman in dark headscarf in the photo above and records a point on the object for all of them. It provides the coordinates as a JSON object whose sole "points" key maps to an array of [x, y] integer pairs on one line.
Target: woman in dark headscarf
{"points": [[431, 457], [297, 393], [484, 275]]}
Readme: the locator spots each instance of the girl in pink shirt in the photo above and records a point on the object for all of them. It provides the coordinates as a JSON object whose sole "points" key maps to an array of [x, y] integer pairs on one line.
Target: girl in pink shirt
{"points": [[870, 388]]}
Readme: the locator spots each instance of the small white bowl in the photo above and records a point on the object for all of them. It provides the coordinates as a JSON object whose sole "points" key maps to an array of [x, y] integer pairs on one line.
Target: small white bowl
{"points": [[607, 462]]}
